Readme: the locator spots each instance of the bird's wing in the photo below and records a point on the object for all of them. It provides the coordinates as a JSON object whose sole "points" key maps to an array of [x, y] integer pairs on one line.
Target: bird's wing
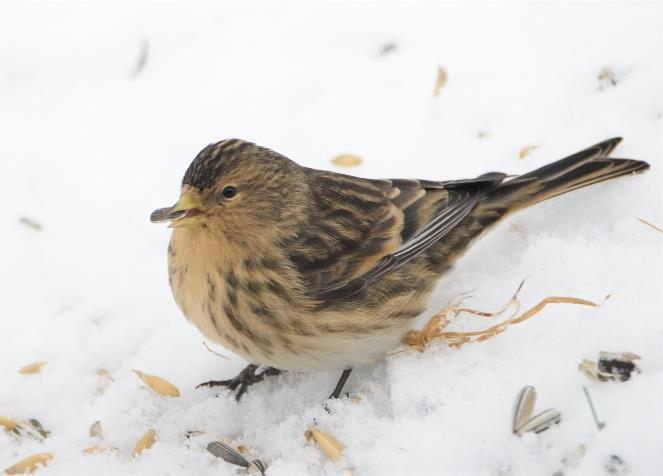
{"points": [[364, 229]]}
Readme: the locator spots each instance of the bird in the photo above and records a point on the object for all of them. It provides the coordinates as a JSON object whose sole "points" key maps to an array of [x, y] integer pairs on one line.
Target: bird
{"points": [[299, 269]]}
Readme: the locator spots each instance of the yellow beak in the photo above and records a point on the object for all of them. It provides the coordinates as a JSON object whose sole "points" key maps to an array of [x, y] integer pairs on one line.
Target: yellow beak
{"points": [[186, 212]]}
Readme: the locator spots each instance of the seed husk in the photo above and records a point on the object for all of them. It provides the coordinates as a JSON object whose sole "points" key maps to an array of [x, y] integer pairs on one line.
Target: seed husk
{"points": [[8, 423], [592, 372], [145, 442], [525, 151], [347, 160], [97, 449], [227, 453], [233, 456], [29, 464], [542, 421], [158, 384], [524, 407], [440, 80], [328, 444], [523, 421], [610, 366], [105, 380], [33, 368], [95, 430], [31, 428]]}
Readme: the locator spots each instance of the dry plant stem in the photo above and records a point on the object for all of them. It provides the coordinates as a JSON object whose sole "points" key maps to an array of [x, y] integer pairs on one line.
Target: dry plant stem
{"points": [[501, 327], [513, 300], [434, 327], [650, 225]]}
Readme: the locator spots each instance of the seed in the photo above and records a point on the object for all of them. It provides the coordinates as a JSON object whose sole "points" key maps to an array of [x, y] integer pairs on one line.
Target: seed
{"points": [[347, 160], [525, 151], [523, 421], [227, 453], [524, 407], [92, 450], [95, 430], [30, 464], [145, 442], [440, 81], [8, 423], [329, 445], [159, 385], [33, 368], [542, 421]]}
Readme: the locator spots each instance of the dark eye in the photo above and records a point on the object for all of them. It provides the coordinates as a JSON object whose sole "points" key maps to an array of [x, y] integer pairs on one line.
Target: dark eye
{"points": [[229, 192]]}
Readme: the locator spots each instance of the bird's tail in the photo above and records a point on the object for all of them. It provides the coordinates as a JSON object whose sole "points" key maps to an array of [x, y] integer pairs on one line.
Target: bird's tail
{"points": [[589, 166]]}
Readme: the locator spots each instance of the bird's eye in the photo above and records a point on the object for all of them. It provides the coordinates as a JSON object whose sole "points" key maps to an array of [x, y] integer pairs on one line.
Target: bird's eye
{"points": [[229, 192]]}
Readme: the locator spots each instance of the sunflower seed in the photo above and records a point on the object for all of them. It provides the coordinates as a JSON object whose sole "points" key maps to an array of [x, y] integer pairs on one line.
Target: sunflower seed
{"points": [[523, 421], [524, 407], [232, 456], [542, 421]]}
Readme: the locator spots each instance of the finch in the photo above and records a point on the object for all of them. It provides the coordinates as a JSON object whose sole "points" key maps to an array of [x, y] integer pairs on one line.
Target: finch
{"points": [[301, 269]]}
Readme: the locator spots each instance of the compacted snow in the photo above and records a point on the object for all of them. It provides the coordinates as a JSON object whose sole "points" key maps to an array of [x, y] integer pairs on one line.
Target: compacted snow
{"points": [[102, 107]]}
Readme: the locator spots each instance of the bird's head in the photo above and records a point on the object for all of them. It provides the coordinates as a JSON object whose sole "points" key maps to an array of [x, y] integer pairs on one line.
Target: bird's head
{"points": [[239, 189]]}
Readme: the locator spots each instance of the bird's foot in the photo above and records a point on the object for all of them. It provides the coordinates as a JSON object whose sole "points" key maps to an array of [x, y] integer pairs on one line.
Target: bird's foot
{"points": [[243, 380]]}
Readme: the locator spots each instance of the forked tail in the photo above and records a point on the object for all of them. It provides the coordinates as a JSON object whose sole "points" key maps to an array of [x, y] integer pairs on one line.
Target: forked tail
{"points": [[587, 167]]}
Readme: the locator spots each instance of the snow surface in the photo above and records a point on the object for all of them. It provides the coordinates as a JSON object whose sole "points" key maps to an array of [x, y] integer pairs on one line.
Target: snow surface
{"points": [[89, 148]]}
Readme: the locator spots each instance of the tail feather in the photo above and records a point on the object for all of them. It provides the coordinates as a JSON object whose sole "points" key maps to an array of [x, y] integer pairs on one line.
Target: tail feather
{"points": [[587, 167], [598, 170], [559, 167]]}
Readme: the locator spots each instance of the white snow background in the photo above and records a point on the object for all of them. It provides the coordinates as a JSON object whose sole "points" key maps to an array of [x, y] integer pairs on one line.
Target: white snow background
{"points": [[89, 147]]}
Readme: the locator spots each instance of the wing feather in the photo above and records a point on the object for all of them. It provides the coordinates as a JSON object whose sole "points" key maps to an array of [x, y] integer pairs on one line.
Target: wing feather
{"points": [[385, 224]]}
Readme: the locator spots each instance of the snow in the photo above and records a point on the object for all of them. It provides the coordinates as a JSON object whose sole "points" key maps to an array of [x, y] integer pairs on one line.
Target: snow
{"points": [[89, 149]]}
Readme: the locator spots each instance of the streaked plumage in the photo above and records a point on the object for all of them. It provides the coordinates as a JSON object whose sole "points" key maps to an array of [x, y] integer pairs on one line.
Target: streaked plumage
{"points": [[309, 270]]}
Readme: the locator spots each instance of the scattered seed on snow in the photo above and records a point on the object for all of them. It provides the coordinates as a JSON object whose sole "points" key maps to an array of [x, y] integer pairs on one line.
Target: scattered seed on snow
{"points": [[329, 445], [30, 464], [610, 366], [158, 384], [524, 422], [145, 442], [346, 160], [95, 430], [8, 423], [440, 80], [232, 456], [33, 368], [528, 149], [93, 450], [606, 78]]}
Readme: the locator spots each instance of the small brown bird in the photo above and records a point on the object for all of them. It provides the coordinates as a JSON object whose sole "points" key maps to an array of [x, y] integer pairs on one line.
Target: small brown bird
{"points": [[301, 269]]}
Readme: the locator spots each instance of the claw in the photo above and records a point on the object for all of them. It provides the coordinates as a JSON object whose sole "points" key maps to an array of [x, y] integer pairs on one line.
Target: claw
{"points": [[243, 380]]}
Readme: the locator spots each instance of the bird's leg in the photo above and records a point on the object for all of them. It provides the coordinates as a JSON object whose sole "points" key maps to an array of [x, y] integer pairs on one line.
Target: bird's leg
{"points": [[243, 380], [341, 383]]}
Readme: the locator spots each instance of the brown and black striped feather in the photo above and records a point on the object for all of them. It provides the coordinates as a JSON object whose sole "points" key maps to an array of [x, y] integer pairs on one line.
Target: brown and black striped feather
{"points": [[396, 221], [361, 224]]}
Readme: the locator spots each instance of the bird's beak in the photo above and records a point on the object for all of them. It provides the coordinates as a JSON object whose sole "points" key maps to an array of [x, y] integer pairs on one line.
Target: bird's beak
{"points": [[186, 212]]}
